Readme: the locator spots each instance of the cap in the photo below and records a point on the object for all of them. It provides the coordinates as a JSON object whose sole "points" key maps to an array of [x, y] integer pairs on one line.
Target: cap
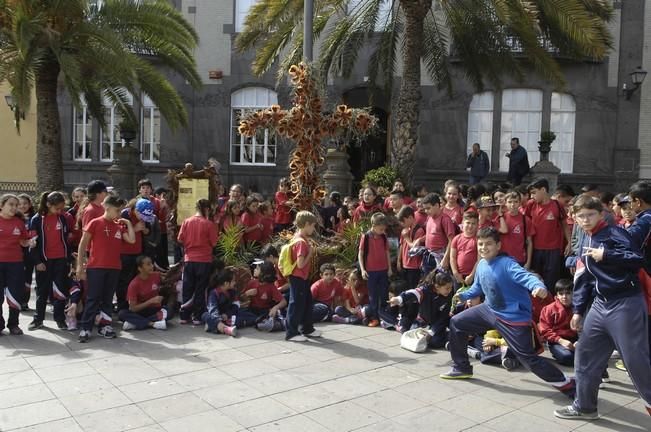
{"points": [[145, 209], [97, 187], [486, 202], [624, 200]]}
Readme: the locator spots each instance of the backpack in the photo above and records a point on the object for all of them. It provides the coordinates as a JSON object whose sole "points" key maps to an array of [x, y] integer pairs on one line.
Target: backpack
{"points": [[285, 264], [367, 236]]}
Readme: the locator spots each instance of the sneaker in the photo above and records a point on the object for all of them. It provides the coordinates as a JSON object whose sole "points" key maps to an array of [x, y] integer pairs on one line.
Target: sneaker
{"points": [[35, 325], [230, 331], [455, 373], [571, 413], [297, 338], [447, 346], [127, 326], [71, 322], [387, 326], [61, 325], [615, 354], [472, 352], [196, 322], [568, 389], [315, 333], [184, 322], [266, 325], [509, 363], [15, 331], [373, 323], [84, 336], [160, 325], [619, 365], [605, 377], [339, 320], [107, 331]]}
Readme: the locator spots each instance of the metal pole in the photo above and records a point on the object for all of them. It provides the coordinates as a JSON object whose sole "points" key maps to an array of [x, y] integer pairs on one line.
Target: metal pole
{"points": [[308, 19]]}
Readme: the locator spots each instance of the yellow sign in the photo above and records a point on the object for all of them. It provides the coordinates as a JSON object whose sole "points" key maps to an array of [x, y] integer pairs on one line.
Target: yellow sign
{"points": [[190, 191]]}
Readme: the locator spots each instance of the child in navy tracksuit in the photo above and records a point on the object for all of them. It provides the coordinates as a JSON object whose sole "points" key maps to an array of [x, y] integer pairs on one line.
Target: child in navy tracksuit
{"points": [[428, 305], [607, 268], [221, 305], [507, 309], [51, 257]]}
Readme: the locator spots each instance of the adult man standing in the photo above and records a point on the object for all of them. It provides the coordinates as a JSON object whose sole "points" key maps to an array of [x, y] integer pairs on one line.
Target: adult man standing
{"points": [[478, 163], [518, 163]]}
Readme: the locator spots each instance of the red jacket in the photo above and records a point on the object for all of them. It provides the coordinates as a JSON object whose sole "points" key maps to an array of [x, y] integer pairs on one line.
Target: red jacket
{"points": [[555, 323]]}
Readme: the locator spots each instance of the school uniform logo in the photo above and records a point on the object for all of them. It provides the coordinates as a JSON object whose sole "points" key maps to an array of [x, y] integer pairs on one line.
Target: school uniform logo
{"points": [[16, 231], [264, 296], [58, 227], [550, 216], [118, 235], [154, 287], [517, 230]]}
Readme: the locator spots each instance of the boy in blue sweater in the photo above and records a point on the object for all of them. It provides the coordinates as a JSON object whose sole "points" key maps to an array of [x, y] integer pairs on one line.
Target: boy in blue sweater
{"points": [[607, 270], [507, 287]]}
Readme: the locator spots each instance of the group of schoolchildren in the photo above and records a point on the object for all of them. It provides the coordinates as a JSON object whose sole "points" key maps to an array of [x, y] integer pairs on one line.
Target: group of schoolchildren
{"points": [[475, 265]]}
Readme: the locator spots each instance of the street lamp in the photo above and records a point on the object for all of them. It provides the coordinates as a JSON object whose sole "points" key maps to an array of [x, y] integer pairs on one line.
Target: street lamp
{"points": [[637, 78], [308, 19], [12, 106]]}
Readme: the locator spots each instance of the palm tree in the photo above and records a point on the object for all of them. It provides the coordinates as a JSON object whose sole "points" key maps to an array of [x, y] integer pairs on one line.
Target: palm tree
{"points": [[98, 50], [479, 33]]}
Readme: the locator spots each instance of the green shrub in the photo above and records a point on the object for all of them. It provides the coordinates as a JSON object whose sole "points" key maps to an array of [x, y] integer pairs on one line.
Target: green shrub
{"points": [[381, 177]]}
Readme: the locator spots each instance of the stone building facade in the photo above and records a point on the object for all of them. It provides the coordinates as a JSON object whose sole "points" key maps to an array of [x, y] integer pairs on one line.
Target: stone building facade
{"points": [[603, 138]]}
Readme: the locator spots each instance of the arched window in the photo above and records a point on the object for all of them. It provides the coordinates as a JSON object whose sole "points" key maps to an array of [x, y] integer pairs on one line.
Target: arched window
{"points": [[261, 148], [110, 136], [150, 133], [82, 133], [480, 122], [563, 118], [521, 118]]}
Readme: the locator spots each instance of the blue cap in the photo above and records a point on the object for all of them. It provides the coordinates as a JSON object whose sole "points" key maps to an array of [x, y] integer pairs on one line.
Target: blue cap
{"points": [[145, 209]]}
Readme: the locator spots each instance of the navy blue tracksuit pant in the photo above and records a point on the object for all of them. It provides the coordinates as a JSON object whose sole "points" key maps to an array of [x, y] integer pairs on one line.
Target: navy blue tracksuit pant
{"points": [[12, 287], [616, 324], [378, 292], [196, 278], [52, 283], [101, 288], [519, 338], [299, 310]]}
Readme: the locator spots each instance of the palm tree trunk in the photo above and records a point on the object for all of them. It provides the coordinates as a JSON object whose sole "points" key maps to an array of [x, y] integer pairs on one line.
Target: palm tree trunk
{"points": [[407, 116], [49, 162]]}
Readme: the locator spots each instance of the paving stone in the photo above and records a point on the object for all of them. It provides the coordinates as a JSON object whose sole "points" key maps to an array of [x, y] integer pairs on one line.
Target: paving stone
{"points": [[115, 419], [298, 423], [343, 416], [207, 421], [15, 397], [171, 407], [32, 414], [100, 400], [257, 412], [153, 389], [65, 425], [229, 394]]}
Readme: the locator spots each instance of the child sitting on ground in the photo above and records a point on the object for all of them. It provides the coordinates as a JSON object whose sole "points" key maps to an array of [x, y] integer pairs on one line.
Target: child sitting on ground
{"points": [[326, 293], [355, 297], [220, 304], [266, 301], [426, 306], [554, 324], [145, 302]]}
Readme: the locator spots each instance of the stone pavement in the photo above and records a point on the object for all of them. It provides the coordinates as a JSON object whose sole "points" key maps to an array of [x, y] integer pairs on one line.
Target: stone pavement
{"points": [[354, 378]]}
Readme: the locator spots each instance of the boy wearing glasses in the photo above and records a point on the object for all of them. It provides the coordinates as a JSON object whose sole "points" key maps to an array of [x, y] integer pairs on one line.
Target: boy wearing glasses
{"points": [[608, 264]]}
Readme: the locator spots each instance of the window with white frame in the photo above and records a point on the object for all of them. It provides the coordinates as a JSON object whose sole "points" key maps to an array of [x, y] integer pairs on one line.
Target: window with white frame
{"points": [[150, 133], [384, 12], [522, 118], [242, 8], [261, 148], [110, 135], [480, 122], [563, 118], [82, 133]]}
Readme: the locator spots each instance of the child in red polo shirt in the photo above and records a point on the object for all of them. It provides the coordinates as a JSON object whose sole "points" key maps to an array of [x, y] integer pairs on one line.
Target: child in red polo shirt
{"points": [[554, 324], [375, 265], [252, 221], [463, 251], [283, 215], [266, 302], [198, 235], [439, 232], [355, 300], [516, 241], [104, 237], [299, 311], [409, 237], [549, 217], [145, 302], [326, 293], [267, 214]]}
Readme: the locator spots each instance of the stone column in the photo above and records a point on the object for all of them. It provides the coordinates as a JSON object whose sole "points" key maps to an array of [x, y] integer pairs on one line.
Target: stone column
{"points": [[126, 170], [337, 176]]}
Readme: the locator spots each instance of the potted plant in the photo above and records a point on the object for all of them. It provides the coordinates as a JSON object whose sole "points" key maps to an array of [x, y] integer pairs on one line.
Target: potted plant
{"points": [[545, 144], [128, 129]]}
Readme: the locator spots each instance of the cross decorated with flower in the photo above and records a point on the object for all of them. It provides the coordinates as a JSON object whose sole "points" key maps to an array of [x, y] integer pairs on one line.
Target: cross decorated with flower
{"points": [[307, 125]]}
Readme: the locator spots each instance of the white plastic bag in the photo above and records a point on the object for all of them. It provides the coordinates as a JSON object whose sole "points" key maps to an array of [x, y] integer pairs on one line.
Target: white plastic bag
{"points": [[415, 340]]}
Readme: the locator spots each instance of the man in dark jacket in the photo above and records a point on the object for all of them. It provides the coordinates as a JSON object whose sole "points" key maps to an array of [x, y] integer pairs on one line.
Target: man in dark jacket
{"points": [[518, 162], [607, 268], [478, 163]]}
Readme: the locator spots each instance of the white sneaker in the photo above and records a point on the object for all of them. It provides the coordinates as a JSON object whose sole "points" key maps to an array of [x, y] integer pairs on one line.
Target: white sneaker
{"points": [[315, 333], [297, 338], [126, 326], [160, 325]]}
